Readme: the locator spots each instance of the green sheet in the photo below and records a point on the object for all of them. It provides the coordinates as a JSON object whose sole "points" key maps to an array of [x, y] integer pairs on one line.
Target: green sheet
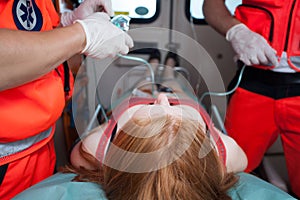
{"points": [[60, 186]]}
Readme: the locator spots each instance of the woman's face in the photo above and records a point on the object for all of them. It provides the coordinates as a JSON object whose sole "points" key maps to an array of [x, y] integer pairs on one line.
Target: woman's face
{"points": [[161, 107]]}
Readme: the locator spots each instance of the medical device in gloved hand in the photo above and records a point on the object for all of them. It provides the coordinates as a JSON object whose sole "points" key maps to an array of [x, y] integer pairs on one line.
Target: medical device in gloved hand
{"points": [[104, 39], [250, 47], [121, 21]]}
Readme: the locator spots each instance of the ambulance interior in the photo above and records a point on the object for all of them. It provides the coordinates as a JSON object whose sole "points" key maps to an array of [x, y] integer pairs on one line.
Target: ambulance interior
{"points": [[168, 25]]}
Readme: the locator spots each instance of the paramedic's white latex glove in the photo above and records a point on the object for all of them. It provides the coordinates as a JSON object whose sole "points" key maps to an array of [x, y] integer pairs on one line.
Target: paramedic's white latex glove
{"points": [[250, 47], [85, 9], [104, 39]]}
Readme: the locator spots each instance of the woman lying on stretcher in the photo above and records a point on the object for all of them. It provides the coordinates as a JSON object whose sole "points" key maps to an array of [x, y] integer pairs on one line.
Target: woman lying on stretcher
{"points": [[159, 148]]}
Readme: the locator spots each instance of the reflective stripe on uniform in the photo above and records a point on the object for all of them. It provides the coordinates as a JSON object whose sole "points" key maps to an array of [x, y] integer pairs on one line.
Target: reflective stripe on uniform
{"points": [[10, 148]]}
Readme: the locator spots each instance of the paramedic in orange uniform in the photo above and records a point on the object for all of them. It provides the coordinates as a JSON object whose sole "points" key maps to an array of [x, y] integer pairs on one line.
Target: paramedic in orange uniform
{"points": [[33, 81], [265, 37]]}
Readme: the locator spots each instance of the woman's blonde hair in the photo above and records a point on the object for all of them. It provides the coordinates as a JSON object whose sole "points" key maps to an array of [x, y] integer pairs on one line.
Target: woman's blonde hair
{"points": [[176, 171]]}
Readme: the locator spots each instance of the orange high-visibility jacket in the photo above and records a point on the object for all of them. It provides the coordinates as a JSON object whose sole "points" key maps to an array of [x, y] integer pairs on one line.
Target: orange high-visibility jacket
{"points": [[32, 108], [277, 20]]}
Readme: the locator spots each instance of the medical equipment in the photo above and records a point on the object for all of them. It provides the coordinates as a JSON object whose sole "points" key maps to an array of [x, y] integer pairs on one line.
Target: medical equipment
{"points": [[142, 61], [93, 120], [121, 21], [224, 93], [214, 108]]}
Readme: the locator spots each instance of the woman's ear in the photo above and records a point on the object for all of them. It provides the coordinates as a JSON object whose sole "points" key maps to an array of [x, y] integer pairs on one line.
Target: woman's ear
{"points": [[75, 158], [88, 145]]}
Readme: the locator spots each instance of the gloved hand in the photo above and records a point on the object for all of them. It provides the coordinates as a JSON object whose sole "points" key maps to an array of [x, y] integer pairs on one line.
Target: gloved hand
{"points": [[250, 47], [103, 39], [85, 9]]}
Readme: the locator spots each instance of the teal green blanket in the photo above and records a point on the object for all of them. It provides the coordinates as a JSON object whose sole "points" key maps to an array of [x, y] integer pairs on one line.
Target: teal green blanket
{"points": [[60, 186]]}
